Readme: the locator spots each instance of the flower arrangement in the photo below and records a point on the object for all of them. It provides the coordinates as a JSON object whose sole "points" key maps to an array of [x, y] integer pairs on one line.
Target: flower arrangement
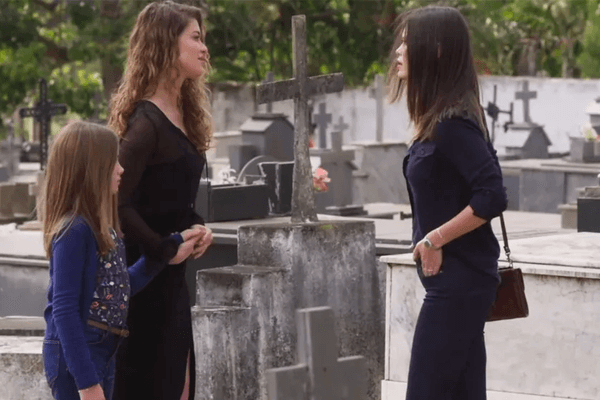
{"points": [[588, 133], [320, 180]]}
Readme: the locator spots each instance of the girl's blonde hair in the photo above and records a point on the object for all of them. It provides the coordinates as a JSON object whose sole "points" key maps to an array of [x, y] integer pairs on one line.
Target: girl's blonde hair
{"points": [[153, 54], [78, 183]]}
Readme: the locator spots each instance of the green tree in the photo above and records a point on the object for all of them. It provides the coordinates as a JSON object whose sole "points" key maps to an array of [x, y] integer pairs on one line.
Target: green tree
{"points": [[589, 59]]}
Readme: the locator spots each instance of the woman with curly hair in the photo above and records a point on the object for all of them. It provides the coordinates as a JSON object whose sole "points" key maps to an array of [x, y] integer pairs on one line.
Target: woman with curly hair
{"points": [[161, 113]]}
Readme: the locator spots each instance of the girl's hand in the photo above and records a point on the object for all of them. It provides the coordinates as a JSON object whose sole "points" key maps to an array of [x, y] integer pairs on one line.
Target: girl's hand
{"points": [[205, 241], [190, 237], [92, 393], [431, 259]]}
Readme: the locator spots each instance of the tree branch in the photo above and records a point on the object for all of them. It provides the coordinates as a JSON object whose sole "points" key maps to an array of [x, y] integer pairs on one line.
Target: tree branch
{"points": [[54, 51]]}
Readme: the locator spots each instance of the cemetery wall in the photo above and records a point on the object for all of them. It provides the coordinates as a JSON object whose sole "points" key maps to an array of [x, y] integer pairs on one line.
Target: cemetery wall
{"points": [[559, 106]]}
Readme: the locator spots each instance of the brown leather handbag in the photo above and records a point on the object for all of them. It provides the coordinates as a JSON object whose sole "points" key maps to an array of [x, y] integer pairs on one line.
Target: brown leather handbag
{"points": [[510, 295]]}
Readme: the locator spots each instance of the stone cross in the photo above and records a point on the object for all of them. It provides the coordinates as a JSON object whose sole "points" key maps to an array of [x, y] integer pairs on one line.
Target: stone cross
{"points": [[526, 95], [341, 125], [377, 92], [300, 88], [320, 375], [268, 80], [322, 119], [43, 112]]}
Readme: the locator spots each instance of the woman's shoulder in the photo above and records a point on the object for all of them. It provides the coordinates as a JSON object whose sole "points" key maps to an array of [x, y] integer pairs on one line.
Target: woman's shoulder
{"points": [[451, 127], [145, 114]]}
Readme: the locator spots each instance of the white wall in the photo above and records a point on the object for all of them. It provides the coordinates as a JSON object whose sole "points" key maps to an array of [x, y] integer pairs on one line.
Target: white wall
{"points": [[559, 107]]}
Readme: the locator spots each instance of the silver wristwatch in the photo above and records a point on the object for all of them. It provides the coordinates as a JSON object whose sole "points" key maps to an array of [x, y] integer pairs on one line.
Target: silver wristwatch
{"points": [[428, 245]]}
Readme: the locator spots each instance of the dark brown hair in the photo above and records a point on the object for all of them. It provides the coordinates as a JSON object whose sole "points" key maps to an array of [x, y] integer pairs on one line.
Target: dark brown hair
{"points": [[441, 78], [153, 53], [78, 183]]}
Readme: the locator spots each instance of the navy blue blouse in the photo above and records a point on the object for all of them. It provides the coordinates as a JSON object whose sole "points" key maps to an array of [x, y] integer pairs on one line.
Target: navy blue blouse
{"points": [[456, 169]]}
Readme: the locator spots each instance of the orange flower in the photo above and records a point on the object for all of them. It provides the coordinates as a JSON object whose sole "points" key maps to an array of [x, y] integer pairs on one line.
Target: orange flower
{"points": [[320, 180]]}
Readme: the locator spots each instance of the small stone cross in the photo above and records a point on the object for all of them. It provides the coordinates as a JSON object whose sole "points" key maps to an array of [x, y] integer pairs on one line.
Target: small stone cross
{"points": [[341, 126], [43, 112], [268, 80], [322, 119], [526, 95], [320, 375], [300, 88], [377, 92]]}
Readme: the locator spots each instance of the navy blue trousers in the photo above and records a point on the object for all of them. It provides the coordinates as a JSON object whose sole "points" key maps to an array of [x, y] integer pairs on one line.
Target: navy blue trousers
{"points": [[103, 347], [448, 356]]}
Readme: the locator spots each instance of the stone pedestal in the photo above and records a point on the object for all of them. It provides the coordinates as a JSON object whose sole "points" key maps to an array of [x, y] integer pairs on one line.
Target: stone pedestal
{"points": [[244, 320], [379, 177], [553, 352], [588, 210]]}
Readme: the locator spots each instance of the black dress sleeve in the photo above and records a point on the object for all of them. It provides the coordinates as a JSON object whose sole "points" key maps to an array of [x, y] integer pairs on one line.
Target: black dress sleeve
{"points": [[137, 148]]}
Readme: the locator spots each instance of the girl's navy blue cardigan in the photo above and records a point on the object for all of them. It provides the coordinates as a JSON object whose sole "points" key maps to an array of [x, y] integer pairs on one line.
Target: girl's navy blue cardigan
{"points": [[73, 266]]}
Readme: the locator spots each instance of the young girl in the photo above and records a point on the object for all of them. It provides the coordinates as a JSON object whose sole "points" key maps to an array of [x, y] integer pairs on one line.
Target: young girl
{"points": [[90, 284]]}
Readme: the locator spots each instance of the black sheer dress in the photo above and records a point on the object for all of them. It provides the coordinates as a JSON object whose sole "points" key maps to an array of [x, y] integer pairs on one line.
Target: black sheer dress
{"points": [[156, 198]]}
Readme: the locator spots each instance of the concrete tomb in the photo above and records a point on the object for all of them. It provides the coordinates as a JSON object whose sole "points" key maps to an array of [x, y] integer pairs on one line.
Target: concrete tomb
{"points": [[319, 374], [553, 352]]}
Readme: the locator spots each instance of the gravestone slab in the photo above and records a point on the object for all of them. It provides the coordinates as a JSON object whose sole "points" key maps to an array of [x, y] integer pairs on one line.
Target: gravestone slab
{"points": [[320, 375], [379, 176]]}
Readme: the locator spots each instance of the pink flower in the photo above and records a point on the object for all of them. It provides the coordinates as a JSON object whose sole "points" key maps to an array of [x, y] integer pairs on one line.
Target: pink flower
{"points": [[320, 180]]}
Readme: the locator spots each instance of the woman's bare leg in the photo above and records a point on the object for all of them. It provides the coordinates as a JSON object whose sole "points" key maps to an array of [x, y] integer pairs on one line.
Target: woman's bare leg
{"points": [[186, 386]]}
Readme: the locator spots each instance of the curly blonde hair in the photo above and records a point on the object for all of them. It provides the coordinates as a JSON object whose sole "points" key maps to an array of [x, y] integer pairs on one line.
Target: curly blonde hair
{"points": [[154, 52]]}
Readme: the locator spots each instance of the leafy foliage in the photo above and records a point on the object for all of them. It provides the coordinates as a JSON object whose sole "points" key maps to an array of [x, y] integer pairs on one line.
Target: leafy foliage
{"points": [[80, 46]]}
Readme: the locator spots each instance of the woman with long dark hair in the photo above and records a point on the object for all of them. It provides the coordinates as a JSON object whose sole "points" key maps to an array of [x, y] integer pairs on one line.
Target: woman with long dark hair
{"points": [[455, 189]]}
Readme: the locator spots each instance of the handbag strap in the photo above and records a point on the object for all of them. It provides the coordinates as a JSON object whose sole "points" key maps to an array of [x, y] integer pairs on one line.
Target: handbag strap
{"points": [[505, 240]]}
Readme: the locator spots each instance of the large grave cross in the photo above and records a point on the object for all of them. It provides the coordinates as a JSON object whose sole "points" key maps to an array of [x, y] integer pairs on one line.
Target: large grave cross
{"points": [[377, 92], [322, 119], [526, 95], [300, 88], [320, 375], [43, 112]]}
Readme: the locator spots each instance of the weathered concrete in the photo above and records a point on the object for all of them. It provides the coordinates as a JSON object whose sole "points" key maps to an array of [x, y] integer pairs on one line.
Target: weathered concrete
{"points": [[22, 369], [282, 268]]}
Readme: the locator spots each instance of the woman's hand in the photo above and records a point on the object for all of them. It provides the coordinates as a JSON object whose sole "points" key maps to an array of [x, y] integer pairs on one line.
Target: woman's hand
{"points": [[190, 237], [431, 259], [206, 239], [92, 393]]}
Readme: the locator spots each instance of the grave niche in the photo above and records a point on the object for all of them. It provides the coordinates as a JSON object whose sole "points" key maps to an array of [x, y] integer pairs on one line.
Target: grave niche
{"points": [[271, 135]]}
